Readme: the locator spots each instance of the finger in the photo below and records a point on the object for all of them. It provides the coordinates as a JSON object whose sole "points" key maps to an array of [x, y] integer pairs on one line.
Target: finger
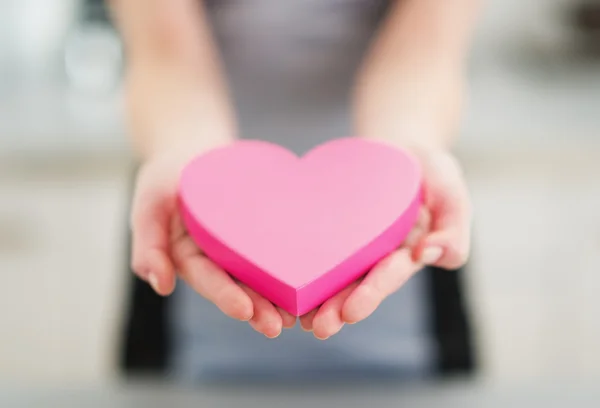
{"points": [[386, 278], [306, 321], [447, 245], [150, 241], [420, 229], [266, 318], [328, 320], [448, 249], [162, 278], [289, 320], [213, 283]]}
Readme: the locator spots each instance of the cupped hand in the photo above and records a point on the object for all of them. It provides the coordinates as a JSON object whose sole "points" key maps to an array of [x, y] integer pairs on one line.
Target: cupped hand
{"points": [[440, 238], [162, 249]]}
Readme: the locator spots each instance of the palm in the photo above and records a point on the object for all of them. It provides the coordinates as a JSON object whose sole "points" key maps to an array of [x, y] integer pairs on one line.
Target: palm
{"points": [[163, 250], [232, 297], [439, 237]]}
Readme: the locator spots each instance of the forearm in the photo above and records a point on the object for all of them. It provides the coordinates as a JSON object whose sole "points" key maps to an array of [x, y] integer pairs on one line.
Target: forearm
{"points": [[167, 109], [411, 86], [175, 89]]}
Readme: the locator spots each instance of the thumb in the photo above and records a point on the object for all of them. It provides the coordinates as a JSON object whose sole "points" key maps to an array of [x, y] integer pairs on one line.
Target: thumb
{"points": [[150, 225], [447, 245]]}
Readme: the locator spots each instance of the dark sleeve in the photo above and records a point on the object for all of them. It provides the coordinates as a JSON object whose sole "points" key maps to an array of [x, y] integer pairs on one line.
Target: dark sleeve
{"points": [[451, 322], [144, 341]]}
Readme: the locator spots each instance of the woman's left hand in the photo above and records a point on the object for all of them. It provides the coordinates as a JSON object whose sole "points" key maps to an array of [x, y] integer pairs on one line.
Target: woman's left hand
{"points": [[440, 238]]}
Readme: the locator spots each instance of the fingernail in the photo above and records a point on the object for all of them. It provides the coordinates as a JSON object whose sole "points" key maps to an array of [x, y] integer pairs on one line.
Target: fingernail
{"points": [[153, 280], [332, 332], [273, 335], [431, 255]]}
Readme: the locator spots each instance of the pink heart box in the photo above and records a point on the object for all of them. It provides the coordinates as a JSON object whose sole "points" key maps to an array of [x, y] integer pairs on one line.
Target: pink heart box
{"points": [[298, 230]]}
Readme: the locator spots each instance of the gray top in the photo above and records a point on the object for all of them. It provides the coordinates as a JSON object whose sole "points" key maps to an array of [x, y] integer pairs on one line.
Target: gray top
{"points": [[291, 66]]}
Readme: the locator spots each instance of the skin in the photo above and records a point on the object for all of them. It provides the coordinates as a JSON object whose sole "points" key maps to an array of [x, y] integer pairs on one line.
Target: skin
{"points": [[408, 93]]}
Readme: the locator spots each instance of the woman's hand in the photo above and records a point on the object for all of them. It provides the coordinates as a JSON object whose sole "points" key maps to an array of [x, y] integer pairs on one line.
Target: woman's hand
{"points": [[411, 84], [162, 249], [178, 106], [440, 238]]}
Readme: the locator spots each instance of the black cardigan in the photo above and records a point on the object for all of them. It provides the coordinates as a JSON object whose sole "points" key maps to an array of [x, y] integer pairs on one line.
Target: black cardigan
{"points": [[144, 347], [145, 341]]}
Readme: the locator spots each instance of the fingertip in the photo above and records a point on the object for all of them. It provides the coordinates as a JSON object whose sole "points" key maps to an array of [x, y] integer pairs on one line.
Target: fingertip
{"points": [[155, 268], [266, 318], [288, 320], [452, 262], [359, 306], [268, 329], [445, 251], [327, 323], [160, 273], [272, 329], [431, 255], [329, 320], [241, 308], [349, 316], [306, 321], [457, 258], [138, 267], [267, 323], [153, 282]]}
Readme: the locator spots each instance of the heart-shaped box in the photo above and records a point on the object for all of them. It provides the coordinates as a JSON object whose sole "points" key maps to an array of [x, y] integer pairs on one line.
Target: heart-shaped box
{"points": [[297, 230]]}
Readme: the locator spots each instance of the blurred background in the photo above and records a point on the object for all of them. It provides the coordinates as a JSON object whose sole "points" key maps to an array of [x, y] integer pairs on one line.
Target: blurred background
{"points": [[530, 146]]}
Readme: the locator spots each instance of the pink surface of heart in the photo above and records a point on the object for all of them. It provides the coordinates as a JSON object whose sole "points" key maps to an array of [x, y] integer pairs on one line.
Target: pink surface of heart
{"points": [[298, 230]]}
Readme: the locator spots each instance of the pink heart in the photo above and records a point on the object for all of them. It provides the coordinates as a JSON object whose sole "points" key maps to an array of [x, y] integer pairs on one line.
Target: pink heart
{"points": [[298, 230]]}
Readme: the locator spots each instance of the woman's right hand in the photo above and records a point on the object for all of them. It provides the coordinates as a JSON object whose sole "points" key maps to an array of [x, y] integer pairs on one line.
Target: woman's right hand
{"points": [[178, 107], [162, 249]]}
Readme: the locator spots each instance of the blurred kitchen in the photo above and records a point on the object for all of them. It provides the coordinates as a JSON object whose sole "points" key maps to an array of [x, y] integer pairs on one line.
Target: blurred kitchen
{"points": [[530, 146]]}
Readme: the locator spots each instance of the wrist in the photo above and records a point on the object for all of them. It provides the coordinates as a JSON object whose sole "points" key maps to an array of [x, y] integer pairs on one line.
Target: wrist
{"points": [[167, 114], [416, 137], [183, 149], [424, 112], [183, 139]]}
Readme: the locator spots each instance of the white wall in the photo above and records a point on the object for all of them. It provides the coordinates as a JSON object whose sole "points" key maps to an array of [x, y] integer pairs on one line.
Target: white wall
{"points": [[62, 231], [535, 279]]}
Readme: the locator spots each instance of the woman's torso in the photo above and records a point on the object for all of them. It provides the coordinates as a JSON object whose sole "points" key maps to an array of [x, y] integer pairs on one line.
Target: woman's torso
{"points": [[290, 66]]}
